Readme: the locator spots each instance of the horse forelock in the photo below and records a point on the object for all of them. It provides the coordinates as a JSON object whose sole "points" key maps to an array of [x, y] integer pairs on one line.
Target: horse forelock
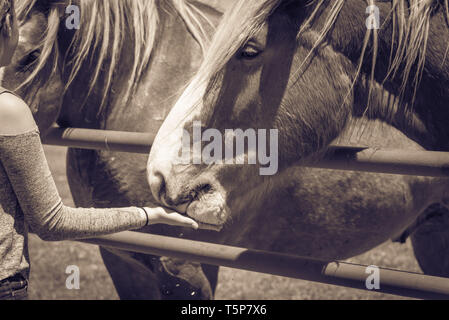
{"points": [[237, 26], [46, 44], [105, 25], [411, 23]]}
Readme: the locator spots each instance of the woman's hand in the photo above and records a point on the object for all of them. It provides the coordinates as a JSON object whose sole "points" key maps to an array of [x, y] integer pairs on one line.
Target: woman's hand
{"points": [[162, 216]]}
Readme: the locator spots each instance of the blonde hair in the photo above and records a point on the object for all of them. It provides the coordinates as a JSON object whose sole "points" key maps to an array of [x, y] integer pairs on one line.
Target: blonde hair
{"points": [[411, 22], [103, 31], [238, 25], [5, 5], [6, 8]]}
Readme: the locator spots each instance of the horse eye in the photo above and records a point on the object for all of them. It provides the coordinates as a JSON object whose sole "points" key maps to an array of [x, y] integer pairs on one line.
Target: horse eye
{"points": [[29, 59], [250, 52]]}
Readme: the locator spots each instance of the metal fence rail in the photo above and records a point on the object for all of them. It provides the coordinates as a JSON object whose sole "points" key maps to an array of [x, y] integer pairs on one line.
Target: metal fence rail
{"points": [[408, 162], [336, 273], [396, 282]]}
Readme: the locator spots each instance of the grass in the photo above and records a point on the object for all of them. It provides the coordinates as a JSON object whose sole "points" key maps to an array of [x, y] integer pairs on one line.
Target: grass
{"points": [[50, 260]]}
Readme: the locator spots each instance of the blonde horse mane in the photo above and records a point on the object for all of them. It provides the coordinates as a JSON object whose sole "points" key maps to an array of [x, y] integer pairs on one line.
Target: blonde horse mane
{"points": [[105, 24], [410, 18]]}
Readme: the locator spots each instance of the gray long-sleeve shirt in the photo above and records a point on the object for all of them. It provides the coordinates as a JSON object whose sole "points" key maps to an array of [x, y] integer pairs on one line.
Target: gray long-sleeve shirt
{"points": [[28, 196]]}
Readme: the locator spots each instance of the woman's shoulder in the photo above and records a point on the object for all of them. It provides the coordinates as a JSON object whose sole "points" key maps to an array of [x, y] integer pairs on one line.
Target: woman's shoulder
{"points": [[15, 115]]}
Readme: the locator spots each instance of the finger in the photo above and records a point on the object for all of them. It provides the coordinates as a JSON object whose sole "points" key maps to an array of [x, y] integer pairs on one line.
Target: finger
{"points": [[184, 222], [161, 215], [177, 219]]}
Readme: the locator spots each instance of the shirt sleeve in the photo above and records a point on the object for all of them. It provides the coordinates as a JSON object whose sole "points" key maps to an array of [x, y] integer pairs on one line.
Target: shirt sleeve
{"points": [[24, 160]]}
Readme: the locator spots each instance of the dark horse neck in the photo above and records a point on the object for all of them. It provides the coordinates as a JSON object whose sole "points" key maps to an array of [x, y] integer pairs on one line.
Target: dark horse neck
{"points": [[427, 120]]}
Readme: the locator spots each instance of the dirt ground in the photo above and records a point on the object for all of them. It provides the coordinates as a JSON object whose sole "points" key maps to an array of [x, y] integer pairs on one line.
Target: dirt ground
{"points": [[50, 260]]}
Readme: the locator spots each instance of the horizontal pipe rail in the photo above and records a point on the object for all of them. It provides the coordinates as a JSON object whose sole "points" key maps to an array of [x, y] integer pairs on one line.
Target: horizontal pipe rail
{"points": [[336, 273], [108, 140], [408, 162]]}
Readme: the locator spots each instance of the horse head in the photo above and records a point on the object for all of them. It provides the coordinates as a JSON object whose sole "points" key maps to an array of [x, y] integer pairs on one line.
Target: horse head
{"points": [[45, 95], [299, 69], [249, 102]]}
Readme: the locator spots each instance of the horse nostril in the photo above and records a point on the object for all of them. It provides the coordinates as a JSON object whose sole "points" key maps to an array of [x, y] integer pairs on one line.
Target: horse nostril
{"points": [[162, 186], [158, 172], [158, 186]]}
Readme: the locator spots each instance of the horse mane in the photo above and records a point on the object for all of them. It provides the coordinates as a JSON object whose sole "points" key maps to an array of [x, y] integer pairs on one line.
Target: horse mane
{"points": [[237, 26], [410, 18], [105, 24]]}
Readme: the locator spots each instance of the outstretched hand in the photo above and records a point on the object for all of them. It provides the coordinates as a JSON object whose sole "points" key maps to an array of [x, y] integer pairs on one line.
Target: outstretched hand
{"points": [[163, 216]]}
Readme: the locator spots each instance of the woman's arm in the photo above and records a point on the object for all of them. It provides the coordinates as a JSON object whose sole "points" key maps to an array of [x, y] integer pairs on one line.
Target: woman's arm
{"points": [[22, 156]]}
